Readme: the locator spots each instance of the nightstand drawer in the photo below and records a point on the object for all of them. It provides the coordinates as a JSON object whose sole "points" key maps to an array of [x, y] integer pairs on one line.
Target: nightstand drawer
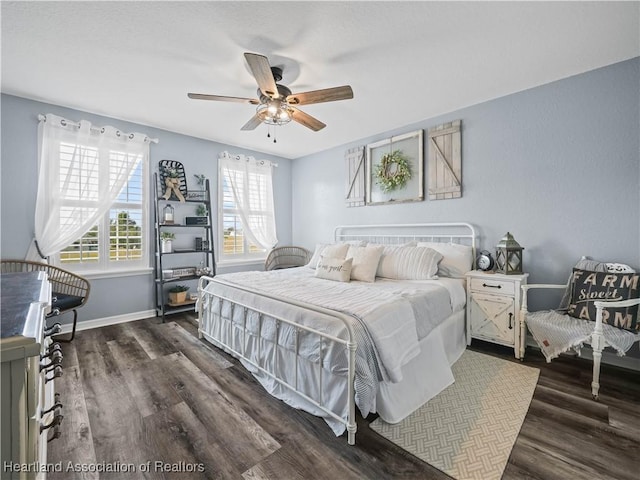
{"points": [[487, 285]]}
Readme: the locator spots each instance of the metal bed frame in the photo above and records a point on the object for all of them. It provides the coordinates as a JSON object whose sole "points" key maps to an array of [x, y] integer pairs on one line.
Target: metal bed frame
{"points": [[402, 233]]}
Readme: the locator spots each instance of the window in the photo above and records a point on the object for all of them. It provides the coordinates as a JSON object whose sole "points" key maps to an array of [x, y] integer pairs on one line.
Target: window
{"points": [[91, 210], [246, 221], [117, 241]]}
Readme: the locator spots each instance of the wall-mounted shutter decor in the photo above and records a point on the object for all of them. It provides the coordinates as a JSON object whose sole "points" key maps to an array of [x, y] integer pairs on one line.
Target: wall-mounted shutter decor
{"points": [[354, 163], [445, 162]]}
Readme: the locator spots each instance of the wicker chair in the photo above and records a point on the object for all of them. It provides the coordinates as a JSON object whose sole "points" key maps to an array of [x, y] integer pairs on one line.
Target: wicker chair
{"points": [[287, 257], [69, 291]]}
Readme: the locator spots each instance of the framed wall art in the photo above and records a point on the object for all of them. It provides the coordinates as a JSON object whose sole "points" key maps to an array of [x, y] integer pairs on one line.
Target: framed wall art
{"points": [[394, 170]]}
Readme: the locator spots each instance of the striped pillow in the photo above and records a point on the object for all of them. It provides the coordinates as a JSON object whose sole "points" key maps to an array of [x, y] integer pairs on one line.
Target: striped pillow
{"points": [[409, 263]]}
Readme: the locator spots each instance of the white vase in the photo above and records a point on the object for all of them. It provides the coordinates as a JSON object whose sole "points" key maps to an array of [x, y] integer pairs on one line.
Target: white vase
{"points": [[166, 246]]}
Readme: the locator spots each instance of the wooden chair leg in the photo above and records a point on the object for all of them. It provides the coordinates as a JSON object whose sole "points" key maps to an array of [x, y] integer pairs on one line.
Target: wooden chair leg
{"points": [[597, 344]]}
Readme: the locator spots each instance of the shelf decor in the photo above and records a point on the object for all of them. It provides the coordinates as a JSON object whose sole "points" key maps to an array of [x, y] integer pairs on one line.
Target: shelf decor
{"points": [[173, 180], [394, 169], [168, 214], [178, 294]]}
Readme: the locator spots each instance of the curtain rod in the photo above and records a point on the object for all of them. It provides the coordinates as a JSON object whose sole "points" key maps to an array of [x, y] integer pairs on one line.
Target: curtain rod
{"points": [[66, 122], [247, 158]]}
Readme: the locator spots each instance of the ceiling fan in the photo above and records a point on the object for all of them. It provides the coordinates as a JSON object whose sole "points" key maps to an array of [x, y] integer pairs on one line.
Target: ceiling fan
{"points": [[276, 104]]}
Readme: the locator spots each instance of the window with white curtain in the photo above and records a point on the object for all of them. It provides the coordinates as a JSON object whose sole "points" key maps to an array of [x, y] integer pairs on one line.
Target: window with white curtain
{"points": [[246, 230], [118, 239], [91, 210]]}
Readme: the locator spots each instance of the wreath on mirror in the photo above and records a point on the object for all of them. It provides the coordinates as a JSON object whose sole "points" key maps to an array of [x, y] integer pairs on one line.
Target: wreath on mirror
{"points": [[393, 171]]}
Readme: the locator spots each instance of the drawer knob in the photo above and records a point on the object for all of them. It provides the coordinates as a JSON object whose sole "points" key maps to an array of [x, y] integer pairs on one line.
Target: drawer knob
{"points": [[52, 348], [57, 372], [55, 405], [55, 359], [53, 329], [55, 424], [491, 286]]}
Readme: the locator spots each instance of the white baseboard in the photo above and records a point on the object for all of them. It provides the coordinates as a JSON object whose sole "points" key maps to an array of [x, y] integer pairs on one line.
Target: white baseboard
{"points": [[632, 363], [103, 322]]}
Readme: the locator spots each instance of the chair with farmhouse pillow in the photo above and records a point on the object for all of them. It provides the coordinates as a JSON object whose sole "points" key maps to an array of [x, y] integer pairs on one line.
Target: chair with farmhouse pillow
{"points": [[287, 257], [69, 291], [599, 307]]}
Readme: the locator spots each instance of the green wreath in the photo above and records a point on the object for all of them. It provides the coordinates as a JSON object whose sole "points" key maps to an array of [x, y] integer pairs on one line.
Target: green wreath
{"points": [[393, 171]]}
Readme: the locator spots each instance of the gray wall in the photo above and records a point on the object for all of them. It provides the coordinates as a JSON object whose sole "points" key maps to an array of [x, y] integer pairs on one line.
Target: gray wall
{"points": [[558, 166], [109, 296]]}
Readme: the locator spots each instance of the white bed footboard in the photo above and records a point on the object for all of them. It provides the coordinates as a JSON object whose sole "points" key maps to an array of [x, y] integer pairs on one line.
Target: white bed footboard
{"points": [[239, 349]]}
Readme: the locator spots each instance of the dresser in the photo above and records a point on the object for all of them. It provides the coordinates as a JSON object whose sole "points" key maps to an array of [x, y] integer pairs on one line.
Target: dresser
{"points": [[30, 412]]}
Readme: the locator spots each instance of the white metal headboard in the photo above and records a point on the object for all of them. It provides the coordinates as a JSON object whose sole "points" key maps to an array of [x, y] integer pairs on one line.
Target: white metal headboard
{"points": [[390, 234]]}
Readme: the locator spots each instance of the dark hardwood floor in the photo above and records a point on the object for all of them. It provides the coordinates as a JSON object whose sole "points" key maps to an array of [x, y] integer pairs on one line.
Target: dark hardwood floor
{"points": [[147, 391]]}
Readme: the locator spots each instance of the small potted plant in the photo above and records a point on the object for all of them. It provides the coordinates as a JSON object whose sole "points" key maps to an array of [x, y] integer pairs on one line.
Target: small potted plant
{"points": [[167, 241], [178, 294], [201, 210]]}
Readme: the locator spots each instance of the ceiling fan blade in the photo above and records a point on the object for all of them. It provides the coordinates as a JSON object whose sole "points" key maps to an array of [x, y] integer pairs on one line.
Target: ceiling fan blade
{"points": [[220, 98], [320, 96], [253, 123], [306, 120], [261, 70]]}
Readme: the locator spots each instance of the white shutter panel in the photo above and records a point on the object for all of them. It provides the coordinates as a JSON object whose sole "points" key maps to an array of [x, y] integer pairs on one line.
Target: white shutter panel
{"points": [[354, 163], [445, 161]]}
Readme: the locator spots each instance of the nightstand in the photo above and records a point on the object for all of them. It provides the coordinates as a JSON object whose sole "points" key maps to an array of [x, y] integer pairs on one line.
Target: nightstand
{"points": [[493, 309]]}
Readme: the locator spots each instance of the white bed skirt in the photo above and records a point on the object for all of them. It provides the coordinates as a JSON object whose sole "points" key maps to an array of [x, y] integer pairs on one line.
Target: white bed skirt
{"points": [[427, 374]]}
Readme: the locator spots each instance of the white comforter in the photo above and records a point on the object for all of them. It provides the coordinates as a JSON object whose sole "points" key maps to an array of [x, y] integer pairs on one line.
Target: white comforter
{"points": [[389, 318], [396, 313]]}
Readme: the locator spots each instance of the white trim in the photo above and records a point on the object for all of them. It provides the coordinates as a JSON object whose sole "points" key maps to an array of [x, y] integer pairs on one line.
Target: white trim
{"points": [[238, 263], [117, 273], [106, 321]]}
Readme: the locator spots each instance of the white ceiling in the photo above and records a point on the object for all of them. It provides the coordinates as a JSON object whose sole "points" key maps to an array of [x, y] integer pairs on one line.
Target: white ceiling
{"points": [[406, 61]]}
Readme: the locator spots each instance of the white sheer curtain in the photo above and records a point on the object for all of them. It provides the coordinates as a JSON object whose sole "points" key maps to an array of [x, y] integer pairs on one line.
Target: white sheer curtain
{"points": [[74, 162], [252, 187]]}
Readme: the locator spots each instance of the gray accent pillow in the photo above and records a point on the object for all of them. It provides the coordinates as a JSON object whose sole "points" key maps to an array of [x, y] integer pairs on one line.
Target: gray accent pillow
{"points": [[583, 264]]}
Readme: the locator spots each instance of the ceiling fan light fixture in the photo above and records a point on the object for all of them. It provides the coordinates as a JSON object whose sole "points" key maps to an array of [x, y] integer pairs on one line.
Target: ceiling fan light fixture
{"points": [[274, 113]]}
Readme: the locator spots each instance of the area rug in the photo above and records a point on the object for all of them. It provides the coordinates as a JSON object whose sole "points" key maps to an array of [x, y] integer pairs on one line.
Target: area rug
{"points": [[468, 430]]}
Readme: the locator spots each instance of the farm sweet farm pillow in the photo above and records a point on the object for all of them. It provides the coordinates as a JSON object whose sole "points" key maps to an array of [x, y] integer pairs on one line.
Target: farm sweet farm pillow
{"points": [[589, 287]]}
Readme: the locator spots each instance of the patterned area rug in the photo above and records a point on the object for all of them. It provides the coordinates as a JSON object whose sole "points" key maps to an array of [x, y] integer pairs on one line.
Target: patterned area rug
{"points": [[469, 429]]}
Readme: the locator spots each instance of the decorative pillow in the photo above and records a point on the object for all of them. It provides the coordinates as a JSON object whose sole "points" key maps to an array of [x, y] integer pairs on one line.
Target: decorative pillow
{"points": [[409, 263], [365, 262], [457, 259], [336, 269], [583, 264], [335, 250], [589, 286]]}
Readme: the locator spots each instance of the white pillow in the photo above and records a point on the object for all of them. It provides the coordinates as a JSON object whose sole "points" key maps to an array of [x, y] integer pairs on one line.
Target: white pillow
{"points": [[409, 263], [365, 262], [334, 268], [336, 250], [457, 259]]}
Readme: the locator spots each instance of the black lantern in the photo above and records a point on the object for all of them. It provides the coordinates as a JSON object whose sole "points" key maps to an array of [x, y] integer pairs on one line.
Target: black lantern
{"points": [[167, 215], [509, 256]]}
